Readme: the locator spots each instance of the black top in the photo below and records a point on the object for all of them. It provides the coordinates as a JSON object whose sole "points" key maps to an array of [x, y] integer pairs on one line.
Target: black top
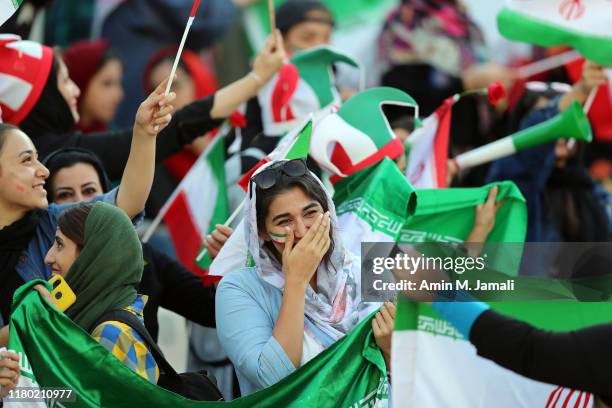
{"points": [[169, 284], [580, 359], [113, 147]]}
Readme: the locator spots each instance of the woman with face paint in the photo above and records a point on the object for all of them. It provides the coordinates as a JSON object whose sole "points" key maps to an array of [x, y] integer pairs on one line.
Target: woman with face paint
{"points": [[300, 296], [28, 222], [78, 175]]}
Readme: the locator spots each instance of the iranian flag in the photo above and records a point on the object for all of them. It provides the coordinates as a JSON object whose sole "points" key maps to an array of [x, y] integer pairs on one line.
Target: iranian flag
{"points": [[305, 85], [581, 24], [197, 205], [8, 8], [61, 354], [435, 366], [428, 149], [378, 204], [234, 255]]}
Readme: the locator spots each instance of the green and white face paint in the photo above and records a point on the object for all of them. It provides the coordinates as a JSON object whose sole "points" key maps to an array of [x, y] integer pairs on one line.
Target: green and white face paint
{"points": [[279, 238]]}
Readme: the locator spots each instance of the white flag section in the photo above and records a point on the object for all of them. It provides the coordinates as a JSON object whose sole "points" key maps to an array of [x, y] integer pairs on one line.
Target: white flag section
{"points": [[26, 381], [428, 149], [440, 369], [8, 8]]}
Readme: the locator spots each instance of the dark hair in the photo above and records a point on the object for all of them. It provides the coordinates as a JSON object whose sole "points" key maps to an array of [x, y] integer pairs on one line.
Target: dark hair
{"points": [[308, 184], [4, 129], [68, 157], [72, 223], [293, 12]]}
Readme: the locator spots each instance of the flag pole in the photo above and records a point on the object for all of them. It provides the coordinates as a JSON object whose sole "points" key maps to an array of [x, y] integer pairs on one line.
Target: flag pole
{"points": [[227, 223], [271, 16], [547, 64], [225, 128], [194, 9]]}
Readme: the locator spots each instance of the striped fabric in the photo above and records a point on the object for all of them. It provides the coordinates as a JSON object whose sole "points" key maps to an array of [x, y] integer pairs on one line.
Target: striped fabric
{"points": [[127, 345]]}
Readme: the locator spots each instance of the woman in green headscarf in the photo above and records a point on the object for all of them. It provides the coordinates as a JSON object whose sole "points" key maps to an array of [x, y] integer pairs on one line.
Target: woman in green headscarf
{"points": [[97, 252]]}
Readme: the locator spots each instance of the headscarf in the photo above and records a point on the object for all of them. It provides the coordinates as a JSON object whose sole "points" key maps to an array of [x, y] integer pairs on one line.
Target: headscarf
{"points": [[205, 84], [83, 60], [335, 308], [109, 267], [51, 114], [440, 34]]}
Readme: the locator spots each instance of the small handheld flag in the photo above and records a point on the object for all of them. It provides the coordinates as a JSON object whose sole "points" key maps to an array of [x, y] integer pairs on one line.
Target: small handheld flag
{"points": [[194, 10]]}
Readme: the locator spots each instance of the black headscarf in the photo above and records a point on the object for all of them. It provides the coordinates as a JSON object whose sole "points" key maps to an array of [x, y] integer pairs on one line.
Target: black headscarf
{"points": [[51, 114], [14, 239]]}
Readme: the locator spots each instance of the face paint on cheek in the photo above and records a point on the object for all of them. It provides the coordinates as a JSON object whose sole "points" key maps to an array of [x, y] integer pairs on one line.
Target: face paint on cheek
{"points": [[278, 238], [20, 187]]}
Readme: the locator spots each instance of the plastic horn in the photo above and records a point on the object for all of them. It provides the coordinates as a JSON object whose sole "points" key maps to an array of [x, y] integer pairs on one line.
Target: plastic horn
{"points": [[572, 123]]}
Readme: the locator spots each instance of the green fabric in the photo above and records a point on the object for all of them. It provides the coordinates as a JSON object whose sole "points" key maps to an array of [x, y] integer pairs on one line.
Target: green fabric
{"points": [[518, 27], [216, 161], [350, 373], [300, 147], [109, 267]]}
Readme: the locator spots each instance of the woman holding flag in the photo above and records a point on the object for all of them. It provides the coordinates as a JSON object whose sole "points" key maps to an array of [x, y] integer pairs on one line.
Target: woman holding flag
{"points": [[303, 292], [28, 223]]}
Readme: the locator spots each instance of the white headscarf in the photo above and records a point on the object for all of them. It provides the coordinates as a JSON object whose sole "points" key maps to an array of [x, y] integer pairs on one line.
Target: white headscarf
{"points": [[335, 308]]}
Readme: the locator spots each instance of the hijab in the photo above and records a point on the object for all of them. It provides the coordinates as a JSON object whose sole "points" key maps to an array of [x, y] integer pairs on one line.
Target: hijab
{"points": [[14, 239], [108, 268], [335, 308], [51, 114], [84, 59]]}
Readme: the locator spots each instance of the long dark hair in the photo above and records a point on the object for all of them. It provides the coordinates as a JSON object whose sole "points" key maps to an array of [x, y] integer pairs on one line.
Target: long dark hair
{"points": [[309, 185], [72, 223]]}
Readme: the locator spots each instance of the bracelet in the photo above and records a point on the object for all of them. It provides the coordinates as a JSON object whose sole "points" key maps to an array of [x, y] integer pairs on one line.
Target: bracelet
{"points": [[256, 78]]}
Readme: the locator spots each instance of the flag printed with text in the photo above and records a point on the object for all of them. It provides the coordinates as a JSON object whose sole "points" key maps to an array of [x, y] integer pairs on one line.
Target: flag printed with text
{"points": [[434, 366]]}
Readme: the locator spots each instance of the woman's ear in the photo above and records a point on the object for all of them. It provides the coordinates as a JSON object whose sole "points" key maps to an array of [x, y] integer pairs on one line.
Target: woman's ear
{"points": [[265, 236]]}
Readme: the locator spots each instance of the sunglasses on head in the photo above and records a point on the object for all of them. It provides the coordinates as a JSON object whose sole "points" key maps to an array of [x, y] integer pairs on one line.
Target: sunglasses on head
{"points": [[269, 177]]}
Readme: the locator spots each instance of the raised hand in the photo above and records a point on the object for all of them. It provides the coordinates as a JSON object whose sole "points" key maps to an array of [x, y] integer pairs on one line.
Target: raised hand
{"points": [[155, 112], [9, 372], [382, 328], [215, 241], [301, 262]]}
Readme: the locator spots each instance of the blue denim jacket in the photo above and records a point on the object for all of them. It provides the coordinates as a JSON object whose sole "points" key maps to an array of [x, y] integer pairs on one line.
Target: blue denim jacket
{"points": [[31, 264]]}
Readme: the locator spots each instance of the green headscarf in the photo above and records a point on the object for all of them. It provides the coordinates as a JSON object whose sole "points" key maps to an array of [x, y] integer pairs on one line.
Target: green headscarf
{"points": [[106, 272]]}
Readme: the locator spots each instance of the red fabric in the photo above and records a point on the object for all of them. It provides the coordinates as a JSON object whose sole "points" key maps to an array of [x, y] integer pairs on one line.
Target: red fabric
{"points": [[184, 233], [600, 114], [19, 64], [205, 84], [391, 150], [83, 60], [288, 78], [244, 180], [441, 141]]}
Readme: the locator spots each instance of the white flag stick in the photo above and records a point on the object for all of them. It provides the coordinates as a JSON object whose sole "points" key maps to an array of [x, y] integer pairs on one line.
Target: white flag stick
{"points": [[547, 64], [178, 54]]}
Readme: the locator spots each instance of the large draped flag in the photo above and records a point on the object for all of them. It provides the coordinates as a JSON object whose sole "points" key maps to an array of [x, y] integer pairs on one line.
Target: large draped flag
{"points": [[581, 24], [58, 353], [8, 8], [197, 205], [435, 366], [378, 204], [428, 149]]}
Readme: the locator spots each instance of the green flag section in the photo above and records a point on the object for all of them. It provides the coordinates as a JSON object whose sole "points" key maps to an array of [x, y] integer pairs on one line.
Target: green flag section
{"points": [[581, 24], [8, 8], [350, 373], [378, 204], [187, 218], [216, 164], [435, 367]]}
